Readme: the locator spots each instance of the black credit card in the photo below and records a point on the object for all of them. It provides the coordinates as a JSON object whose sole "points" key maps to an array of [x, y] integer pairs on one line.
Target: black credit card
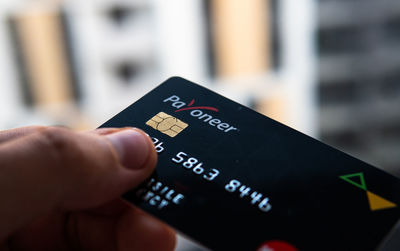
{"points": [[233, 179]]}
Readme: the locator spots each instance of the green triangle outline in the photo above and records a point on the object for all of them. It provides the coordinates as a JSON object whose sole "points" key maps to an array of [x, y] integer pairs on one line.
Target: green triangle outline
{"points": [[360, 174]]}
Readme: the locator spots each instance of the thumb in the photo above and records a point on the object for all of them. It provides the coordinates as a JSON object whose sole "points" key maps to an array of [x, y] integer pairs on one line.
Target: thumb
{"points": [[57, 169]]}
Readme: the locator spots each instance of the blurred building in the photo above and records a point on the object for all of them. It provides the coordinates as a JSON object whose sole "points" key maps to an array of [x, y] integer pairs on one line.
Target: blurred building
{"points": [[79, 62], [359, 79], [328, 68]]}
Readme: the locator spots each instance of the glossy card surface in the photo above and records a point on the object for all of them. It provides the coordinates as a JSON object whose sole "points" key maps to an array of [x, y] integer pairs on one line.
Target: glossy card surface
{"points": [[233, 179]]}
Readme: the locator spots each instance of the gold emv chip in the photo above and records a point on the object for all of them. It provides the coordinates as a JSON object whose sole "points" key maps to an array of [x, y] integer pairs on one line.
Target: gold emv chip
{"points": [[167, 124]]}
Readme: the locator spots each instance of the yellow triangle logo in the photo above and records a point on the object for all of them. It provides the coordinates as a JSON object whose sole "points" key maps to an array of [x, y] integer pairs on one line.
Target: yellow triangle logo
{"points": [[377, 203]]}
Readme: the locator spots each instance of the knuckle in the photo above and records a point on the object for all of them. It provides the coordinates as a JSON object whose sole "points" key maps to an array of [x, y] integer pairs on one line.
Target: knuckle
{"points": [[60, 145], [76, 156]]}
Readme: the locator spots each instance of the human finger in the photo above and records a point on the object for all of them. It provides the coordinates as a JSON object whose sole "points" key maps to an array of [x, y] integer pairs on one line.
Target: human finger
{"points": [[57, 169]]}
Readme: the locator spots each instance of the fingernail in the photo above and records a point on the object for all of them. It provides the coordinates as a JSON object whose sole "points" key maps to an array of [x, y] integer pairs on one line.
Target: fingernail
{"points": [[133, 147]]}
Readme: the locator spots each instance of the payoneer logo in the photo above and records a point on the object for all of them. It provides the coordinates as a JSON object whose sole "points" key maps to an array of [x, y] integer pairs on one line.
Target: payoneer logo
{"points": [[172, 126], [200, 113]]}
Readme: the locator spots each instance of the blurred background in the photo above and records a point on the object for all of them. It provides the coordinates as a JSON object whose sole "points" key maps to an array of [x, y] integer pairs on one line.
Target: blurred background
{"points": [[328, 68]]}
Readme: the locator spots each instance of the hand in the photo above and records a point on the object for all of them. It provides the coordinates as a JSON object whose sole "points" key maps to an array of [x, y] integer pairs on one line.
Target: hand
{"points": [[60, 190]]}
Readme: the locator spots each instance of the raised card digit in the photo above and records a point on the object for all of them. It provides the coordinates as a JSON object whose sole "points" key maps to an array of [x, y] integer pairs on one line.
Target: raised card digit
{"points": [[179, 157]]}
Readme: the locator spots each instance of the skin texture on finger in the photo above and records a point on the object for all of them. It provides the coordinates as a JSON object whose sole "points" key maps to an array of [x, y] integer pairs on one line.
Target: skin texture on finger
{"points": [[130, 229], [63, 171], [105, 131], [16, 133], [137, 230], [8, 135], [44, 233]]}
